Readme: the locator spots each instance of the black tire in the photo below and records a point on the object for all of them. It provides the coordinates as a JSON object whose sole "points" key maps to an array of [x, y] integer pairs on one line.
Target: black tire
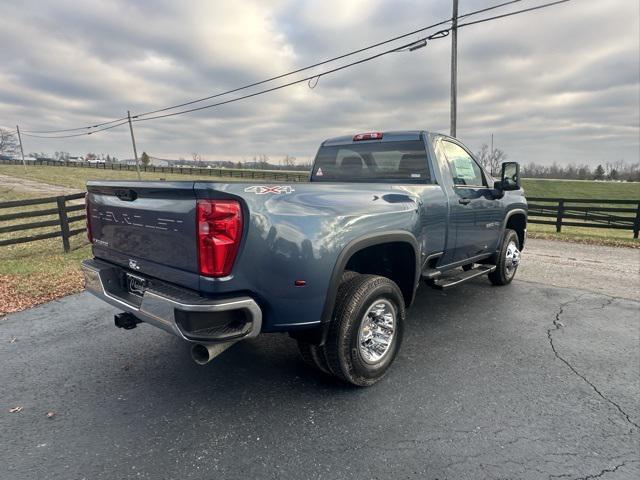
{"points": [[355, 298], [348, 275], [467, 267], [503, 274], [313, 355]]}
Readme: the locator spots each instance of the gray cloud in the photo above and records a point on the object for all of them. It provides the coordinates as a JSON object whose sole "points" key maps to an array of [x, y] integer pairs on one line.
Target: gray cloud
{"points": [[556, 85]]}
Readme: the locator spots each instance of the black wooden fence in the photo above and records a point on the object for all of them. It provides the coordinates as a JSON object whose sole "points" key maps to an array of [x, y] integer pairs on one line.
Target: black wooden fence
{"points": [[287, 176], [583, 212], [62, 219]]}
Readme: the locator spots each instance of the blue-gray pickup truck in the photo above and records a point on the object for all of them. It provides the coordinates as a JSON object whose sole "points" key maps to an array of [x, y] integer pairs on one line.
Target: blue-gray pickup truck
{"points": [[335, 261]]}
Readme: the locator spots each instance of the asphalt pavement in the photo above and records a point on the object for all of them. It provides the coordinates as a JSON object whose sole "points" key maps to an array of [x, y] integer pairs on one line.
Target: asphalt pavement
{"points": [[524, 381]]}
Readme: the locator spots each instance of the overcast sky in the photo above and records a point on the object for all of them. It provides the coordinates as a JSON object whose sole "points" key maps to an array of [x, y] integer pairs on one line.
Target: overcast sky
{"points": [[561, 84]]}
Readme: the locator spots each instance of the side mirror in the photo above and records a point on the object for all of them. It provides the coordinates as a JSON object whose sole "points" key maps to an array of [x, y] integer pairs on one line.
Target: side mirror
{"points": [[510, 178]]}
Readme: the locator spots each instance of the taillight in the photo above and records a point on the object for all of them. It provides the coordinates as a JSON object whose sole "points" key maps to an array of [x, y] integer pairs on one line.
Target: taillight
{"points": [[219, 224], [88, 219], [367, 136]]}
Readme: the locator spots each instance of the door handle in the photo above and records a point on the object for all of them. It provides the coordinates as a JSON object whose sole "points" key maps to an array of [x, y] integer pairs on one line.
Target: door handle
{"points": [[464, 201]]}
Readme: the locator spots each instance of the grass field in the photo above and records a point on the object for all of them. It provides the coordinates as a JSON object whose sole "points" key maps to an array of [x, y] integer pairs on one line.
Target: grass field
{"points": [[74, 177], [581, 189], [36, 272]]}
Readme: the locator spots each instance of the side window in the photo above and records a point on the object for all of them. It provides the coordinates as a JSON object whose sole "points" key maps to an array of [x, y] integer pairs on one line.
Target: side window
{"points": [[464, 169]]}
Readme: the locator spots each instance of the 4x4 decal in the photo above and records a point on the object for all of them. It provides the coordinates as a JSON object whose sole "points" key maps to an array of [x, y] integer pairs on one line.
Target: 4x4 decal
{"points": [[264, 189]]}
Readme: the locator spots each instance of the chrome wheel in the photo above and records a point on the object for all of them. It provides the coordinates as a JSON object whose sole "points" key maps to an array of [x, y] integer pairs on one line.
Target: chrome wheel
{"points": [[512, 258], [377, 330]]}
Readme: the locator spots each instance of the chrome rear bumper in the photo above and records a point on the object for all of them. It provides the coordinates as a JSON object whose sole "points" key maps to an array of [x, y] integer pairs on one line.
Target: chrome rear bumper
{"points": [[167, 308]]}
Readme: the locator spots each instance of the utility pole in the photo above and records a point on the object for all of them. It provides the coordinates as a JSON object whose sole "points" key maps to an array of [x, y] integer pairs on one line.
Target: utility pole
{"points": [[133, 141], [24, 164], [491, 156], [454, 67]]}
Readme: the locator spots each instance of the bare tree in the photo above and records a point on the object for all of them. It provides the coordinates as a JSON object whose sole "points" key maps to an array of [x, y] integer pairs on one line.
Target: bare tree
{"points": [[8, 143], [491, 160], [263, 162], [63, 156], [483, 156], [288, 161], [497, 157]]}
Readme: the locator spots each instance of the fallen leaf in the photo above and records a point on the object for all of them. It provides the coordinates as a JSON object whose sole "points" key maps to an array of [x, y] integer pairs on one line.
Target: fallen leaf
{"points": [[15, 409], [51, 414]]}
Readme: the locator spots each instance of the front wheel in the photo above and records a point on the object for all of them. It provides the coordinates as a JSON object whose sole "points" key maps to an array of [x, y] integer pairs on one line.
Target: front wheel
{"points": [[366, 330], [508, 259]]}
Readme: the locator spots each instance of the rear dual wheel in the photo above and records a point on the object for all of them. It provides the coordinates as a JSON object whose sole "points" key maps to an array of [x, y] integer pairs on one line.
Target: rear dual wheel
{"points": [[365, 333]]}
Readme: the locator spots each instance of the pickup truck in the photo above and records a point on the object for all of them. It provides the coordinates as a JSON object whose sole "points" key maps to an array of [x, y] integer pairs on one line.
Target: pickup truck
{"points": [[335, 262]]}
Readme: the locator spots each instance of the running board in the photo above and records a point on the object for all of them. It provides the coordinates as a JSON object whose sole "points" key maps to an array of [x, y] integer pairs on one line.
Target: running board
{"points": [[448, 281], [430, 274]]}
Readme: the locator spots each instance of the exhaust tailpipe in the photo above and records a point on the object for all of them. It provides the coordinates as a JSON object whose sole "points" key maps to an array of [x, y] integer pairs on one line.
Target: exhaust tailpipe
{"points": [[203, 353]]}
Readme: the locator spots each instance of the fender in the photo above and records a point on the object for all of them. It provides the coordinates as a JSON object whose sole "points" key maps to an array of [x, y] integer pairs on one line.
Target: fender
{"points": [[318, 337], [511, 213]]}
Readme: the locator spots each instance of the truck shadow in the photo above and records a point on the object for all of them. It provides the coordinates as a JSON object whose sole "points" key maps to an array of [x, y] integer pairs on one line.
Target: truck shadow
{"points": [[271, 363]]}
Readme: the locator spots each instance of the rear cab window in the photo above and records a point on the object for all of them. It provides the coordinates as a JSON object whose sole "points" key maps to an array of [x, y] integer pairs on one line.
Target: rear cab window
{"points": [[400, 161]]}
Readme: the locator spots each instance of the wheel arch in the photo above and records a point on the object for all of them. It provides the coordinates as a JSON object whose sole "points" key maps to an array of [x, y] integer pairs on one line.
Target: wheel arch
{"points": [[360, 244], [516, 219]]}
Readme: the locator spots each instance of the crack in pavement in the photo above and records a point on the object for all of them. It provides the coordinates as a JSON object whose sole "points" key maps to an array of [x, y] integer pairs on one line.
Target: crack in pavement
{"points": [[595, 475], [558, 325], [606, 470], [606, 304]]}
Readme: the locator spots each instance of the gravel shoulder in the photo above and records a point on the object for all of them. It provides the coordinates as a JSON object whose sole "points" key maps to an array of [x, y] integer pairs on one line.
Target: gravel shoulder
{"points": [[612, 271]]}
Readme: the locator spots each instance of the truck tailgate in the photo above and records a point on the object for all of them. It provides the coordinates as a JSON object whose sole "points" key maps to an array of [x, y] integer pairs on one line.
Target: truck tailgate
{"points": [[149, 221]]}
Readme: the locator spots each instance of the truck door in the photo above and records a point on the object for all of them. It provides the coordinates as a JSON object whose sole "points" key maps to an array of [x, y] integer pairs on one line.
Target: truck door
{"points": [[475, 214]]}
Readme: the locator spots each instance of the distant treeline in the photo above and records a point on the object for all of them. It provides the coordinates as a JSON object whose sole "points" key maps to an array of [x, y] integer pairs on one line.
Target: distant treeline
{"points": [[618, 171]]}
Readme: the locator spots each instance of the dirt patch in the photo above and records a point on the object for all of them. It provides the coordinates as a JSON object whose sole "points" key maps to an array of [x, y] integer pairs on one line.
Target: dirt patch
{"points": [[22, 185], [13, 289]]}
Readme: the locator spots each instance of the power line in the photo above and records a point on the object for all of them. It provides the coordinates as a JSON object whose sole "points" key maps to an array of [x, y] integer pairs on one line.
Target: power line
{"points": [[439, 34], [324, 62], [76, 134], [524, 10], [78, 128], [277, 77]]}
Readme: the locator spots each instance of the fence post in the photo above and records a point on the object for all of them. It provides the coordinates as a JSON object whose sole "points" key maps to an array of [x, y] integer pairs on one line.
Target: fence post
{"points": [[559, 217], [636, 223], [64, 222]]}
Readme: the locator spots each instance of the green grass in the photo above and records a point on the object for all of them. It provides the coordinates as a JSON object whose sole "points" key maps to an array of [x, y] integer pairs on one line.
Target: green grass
{"points": [[581, 189]]}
